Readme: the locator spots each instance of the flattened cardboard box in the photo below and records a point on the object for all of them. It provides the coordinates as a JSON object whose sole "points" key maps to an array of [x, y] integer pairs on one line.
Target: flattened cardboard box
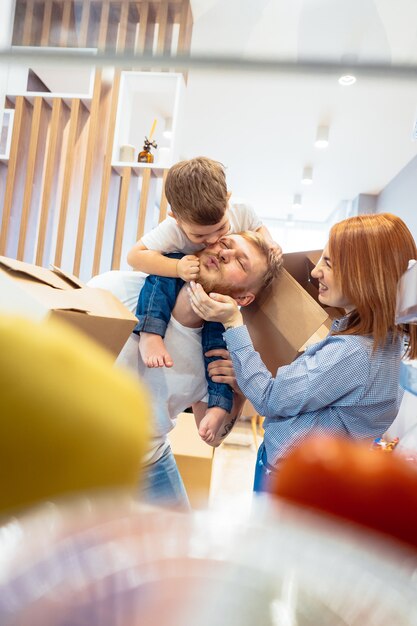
{"points": [[194, 459], [282, 320], [37, 292]]}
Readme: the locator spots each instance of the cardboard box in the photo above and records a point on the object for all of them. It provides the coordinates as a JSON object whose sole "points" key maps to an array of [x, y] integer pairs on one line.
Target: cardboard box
{"points": [[194, 459], [38, 293], [283, 320], [300, 265]]}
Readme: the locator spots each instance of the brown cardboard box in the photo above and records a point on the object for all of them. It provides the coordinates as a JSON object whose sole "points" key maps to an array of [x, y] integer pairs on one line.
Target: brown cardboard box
{"points": [[194, 459], [37, 292], [282, 321], [299, 265]]}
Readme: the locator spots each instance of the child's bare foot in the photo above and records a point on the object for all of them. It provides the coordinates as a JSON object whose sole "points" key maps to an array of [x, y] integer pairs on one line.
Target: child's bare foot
{"points": [[153, 352], [211, 424]]}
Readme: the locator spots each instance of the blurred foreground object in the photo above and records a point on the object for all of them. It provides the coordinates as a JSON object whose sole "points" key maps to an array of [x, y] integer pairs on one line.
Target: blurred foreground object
{"points": [[119, 563], [348, 479], [70, 420]]}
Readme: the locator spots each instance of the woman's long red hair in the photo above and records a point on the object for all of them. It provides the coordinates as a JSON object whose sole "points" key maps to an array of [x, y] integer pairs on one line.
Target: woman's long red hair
{"points": [[369, 254]]}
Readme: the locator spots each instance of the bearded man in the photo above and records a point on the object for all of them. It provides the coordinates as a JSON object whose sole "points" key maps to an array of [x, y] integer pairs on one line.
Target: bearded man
{"points": [[238, 265]]}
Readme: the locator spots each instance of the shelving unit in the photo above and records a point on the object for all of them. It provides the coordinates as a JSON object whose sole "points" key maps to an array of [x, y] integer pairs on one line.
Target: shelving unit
{"points": [[67, 197], [143, 98], [6, 130]]}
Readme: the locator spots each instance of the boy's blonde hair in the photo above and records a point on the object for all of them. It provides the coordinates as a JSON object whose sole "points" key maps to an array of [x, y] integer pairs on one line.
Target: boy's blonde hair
{"points": [[197, 192]]}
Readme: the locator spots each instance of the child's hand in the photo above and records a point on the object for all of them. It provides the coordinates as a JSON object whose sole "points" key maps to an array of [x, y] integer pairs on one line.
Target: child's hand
{"points": [[188, 268]]}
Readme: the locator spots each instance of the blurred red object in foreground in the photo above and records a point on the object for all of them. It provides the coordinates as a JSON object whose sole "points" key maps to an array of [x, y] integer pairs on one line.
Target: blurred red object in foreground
{"points": [[348, 479]]}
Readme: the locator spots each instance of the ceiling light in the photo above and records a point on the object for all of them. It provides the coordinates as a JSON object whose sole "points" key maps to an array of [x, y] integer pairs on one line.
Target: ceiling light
{"points": [[347, 79], [296, 203], [322, 138], [307, 178]]}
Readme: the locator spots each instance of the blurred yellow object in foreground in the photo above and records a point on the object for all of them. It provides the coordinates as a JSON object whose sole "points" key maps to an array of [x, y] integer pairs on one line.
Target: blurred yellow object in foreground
{"points": [[70, 421]]}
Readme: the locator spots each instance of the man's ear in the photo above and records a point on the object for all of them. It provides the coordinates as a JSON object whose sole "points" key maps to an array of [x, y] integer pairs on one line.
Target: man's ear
{"points": [[229, 194], [171, 214], [246, 299]]}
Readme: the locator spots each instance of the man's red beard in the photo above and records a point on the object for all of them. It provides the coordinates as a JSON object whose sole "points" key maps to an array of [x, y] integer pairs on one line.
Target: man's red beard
{"points": [[216, 283]]}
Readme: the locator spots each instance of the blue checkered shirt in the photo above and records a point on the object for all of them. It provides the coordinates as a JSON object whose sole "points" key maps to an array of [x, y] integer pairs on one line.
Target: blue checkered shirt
{"points": [[338, 386]]}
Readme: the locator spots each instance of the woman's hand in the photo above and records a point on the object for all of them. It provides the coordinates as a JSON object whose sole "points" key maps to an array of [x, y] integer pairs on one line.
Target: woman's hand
{"points": [[221, 370], [214, 307]]}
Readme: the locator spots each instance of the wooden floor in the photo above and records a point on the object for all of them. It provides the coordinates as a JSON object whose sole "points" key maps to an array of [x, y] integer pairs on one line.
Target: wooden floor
{"points": [[233, 470]]}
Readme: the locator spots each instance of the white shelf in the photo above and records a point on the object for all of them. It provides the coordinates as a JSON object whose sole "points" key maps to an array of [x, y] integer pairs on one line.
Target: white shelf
{"points": [[143, 98], [68, 80], [157, 170], [6, 129]]}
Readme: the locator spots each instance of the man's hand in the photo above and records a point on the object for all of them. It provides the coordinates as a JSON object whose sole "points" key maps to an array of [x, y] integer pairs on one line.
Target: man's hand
{"points": [[214, 307], [188, 268], [221, 370]]}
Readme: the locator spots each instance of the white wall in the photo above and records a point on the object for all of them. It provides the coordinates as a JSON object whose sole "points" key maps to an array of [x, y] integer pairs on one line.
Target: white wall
{"points": [[400, 196]]}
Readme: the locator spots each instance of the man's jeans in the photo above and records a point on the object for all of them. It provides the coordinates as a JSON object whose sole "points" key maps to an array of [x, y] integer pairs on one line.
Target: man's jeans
{"points": [[156, 301], [162, 484]]}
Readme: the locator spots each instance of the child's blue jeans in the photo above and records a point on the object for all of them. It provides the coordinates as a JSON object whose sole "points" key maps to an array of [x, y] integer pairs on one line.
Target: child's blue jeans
{"points": [[156, 301]]}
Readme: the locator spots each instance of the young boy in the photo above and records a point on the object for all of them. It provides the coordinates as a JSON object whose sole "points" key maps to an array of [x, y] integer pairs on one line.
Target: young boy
{"points": [[200, 214]]}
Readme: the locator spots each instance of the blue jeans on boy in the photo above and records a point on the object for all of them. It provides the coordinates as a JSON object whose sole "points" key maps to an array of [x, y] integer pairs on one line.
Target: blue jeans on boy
{"points": [[156, 301]]}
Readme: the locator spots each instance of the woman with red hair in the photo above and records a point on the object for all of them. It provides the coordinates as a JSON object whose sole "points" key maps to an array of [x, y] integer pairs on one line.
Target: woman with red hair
{"points": [[347, 384]]}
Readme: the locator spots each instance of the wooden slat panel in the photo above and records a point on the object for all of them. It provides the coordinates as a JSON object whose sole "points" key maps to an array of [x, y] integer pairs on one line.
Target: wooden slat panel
{"points": [[105, 184], [85, 19], [121, 218], [46, 23], [164, 202], [65, 24], [92, 135], [27, 28], [30, 171], [143, 8], [66, 186], [162, 19], [143, 202], [123, 24], [104, 25], [11, 171], [185, 32], [48, 179]]}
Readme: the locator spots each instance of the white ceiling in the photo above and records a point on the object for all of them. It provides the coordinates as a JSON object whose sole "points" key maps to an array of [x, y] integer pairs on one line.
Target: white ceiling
{"points": [[262, 125]]}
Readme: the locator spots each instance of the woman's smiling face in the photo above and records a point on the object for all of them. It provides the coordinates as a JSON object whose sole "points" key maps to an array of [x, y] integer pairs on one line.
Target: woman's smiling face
{"points": [[330, 292]]}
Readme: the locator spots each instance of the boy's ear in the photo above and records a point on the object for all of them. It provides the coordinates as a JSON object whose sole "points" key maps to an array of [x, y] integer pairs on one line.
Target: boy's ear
{"points": [[246, 299], [171, 214], [229, 194]]}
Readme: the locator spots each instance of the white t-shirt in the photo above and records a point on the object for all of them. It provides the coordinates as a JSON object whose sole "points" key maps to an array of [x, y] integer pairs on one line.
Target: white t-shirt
{"points": [[172, 389], [169, 237]]}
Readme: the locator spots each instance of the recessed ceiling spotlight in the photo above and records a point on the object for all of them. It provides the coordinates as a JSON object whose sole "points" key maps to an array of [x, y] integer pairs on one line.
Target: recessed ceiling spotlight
{"points": [[322, 138], [296, 203], [347, 79], [307, 178]]}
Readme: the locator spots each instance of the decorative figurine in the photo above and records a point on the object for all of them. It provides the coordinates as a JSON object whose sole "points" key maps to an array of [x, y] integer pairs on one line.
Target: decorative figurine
{"points": [[145, 156]]}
